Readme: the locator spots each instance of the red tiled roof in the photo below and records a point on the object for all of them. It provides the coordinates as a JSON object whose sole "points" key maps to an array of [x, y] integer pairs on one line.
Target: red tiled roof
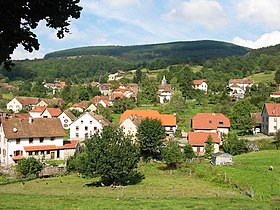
{"points": [[20, 115], [100, 119], [39, 148], [166, 120], [117, 95], [199, 138], [39, 109], [97, 99], [273, 110], [54, 112], [241, 81], [198, 81], [210, 121], [72, 144], [28, 100], [82, 104]]}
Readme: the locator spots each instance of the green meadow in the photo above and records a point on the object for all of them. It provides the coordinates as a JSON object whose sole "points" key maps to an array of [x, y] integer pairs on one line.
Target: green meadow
{"points": [[193, 186]]}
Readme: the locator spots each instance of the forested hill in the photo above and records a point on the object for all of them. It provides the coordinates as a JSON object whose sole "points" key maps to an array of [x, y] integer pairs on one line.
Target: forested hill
{"points": [[177, 52], [272, 50]]}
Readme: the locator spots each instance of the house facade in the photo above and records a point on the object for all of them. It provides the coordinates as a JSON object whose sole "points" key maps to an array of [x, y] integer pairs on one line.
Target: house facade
{"points": [[200, 85], [164, 91], [86, 125], [66, 119], [237, 87], [41, 138], [18, 104], [211, 122], [198, 139], [130, 117], [270, 118]]}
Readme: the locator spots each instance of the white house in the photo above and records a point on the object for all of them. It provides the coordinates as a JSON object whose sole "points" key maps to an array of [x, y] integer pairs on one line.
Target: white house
{"points": [[86, 125], [18, 104], [238, 87], [270, 118], [51, 113], [41, 138], [37, 111], [198, 139], [130, 125], [210, 122], [200, 85], [164, 91], [66, 119]]}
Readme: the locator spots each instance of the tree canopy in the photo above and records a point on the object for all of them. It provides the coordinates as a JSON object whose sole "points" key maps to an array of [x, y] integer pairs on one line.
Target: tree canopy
{"points": [[19, 18]]}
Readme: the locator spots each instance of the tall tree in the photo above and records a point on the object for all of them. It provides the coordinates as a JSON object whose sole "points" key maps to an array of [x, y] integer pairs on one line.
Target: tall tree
{"points": [[209, 147], [172, 154], [188, 151], [150, 134], [240, 116], [185, 79], [19, 18], [110, 155], [233, 145]]}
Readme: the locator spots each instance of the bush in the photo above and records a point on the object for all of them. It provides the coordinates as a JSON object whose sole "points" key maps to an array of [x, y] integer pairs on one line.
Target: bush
{"points": [[172, 154], [29, 166]]}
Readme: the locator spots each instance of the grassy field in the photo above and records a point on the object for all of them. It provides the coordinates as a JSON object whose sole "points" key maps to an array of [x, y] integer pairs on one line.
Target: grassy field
{"points": [[160, 189], [262, 77]]}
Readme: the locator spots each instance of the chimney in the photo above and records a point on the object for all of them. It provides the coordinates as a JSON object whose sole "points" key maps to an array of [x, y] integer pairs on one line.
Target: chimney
{"points": [[30, 120]]}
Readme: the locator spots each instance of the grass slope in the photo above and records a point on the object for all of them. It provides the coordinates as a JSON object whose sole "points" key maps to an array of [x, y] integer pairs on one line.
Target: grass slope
{"points": [[263, 77], [161, 189]]}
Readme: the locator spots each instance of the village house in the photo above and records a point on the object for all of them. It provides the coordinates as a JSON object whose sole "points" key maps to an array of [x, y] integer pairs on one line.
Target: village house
{"points": [[41, 138], [37, 111], [200, 85], [20, 103], [51, 113], [51, 102], [270, 118], [164, 91], [101, 100], [105, 89], [86, 125], [80, 107], [66, 119], [257, 119], [237, 87], [211, 122], [221, 158], [116, 76], [198, 139], [129, 120]]}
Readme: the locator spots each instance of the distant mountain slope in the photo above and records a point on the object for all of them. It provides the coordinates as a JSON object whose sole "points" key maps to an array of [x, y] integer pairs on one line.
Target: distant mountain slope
{"points": [[178, 52], [271, 50]]}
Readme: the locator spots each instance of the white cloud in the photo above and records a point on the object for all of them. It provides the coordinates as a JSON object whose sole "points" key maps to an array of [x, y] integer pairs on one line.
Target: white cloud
{"points": [[21, 54], [208, 13], [260, 11], [265, 40]]}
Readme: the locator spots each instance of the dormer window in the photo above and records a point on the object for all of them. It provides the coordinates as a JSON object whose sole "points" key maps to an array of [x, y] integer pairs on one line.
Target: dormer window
{"points": [[210, 121], [221, 122]]}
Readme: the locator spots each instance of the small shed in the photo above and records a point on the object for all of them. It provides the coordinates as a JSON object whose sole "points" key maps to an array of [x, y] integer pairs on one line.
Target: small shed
{"points": [[221, 158]]}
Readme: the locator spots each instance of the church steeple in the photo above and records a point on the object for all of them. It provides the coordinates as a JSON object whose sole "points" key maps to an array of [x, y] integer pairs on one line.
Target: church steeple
{"points": [[163, 81]]}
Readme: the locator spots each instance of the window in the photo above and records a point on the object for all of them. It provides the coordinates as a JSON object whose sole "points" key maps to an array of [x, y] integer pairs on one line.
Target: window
{"points": [[86, 128], [18, 153], [275, 119], [77, 135], [17, 141], [30, 140], [66, 121], [210, 121], [4, 152], [95, 128], [77, 128], [90, 122], [41, 139], [82, 121], [221, 122], [48, 152], [275, 128], [86, 135], [52, 138]]}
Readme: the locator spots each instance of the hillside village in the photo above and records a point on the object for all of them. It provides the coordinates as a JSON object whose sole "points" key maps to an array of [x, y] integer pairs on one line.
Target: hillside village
{"points": [[48, 129]]}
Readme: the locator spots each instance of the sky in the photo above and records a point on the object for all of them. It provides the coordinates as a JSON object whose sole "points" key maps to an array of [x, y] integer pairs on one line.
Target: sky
{"points": [[249, 23]]}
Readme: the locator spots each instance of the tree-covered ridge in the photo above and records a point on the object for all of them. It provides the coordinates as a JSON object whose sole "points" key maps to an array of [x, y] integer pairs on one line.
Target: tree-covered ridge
{"points": [[178, 52], [271, 50]]}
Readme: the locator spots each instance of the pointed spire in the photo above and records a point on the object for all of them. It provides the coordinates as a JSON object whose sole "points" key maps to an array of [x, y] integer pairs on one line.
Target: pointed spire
{"points": [[163, 81]]}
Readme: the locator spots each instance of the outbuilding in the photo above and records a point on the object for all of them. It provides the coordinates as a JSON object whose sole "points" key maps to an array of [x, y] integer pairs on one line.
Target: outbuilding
{"points": [[221, 158]]}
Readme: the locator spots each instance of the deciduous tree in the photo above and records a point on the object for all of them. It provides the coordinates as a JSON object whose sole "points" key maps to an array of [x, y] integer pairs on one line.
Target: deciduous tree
{"points": [[110, 155], [19, 18], [172, 154], [29, 166], [150, 134]]}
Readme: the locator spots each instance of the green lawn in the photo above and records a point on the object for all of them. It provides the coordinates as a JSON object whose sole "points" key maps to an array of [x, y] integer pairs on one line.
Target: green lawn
{"points": [[262, 77], [161, 189]]}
